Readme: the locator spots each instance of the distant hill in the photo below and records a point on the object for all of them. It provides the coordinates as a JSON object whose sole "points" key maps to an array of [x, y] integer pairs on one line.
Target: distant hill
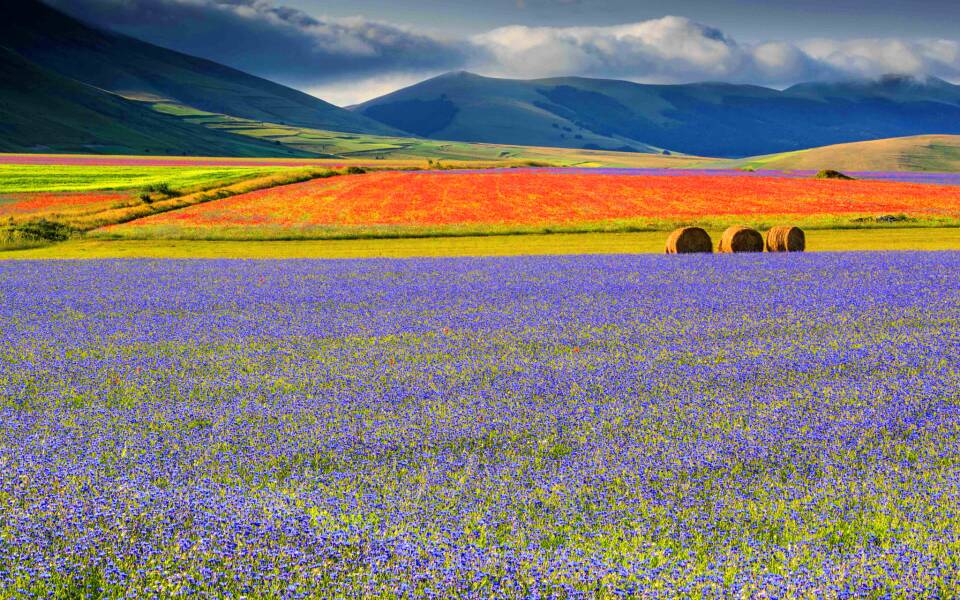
{"points": [[46, 112], [936, 153], [136, 69], [706, 119]]}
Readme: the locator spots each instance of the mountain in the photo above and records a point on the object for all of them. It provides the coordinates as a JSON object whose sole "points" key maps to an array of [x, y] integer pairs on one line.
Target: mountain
{"points": [[44, 111], [136, 69], [936, 153], [466, 107], [707, 119]]}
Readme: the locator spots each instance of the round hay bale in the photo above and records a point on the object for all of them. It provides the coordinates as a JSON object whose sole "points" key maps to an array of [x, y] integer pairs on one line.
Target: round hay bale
{"points": [[785, 238], [741, 239], [687, 240]]}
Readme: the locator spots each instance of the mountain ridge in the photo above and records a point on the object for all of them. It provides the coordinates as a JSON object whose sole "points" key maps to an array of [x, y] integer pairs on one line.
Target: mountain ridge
{"points": [[707, 119], [136, 69]]}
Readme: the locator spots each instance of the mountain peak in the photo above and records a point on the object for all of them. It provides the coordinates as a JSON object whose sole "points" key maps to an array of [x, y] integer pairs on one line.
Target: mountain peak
{"points": [[461, 75], [899, 80]]}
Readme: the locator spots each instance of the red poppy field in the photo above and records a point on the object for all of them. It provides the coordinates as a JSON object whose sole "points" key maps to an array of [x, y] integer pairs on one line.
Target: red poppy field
{"points": [[59, 204], [400, 203]]}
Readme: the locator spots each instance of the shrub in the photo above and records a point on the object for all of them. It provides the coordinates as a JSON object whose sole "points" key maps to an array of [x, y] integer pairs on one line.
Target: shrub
{"points": [[162, 188], [43, 230], [832, 174], [901, 218], [892, 218]]}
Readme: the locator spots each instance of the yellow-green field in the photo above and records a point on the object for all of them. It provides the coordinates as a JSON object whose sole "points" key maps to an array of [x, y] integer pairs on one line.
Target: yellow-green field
{"points": [[91, 178], [587, 243]]}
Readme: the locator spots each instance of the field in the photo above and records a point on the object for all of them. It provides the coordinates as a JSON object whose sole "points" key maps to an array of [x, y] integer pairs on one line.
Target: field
{"points": [[67, 189], [97, 199], [759, 426], [19, 205], [66, 177], [644, 242], [126, 193], [389, 204]]}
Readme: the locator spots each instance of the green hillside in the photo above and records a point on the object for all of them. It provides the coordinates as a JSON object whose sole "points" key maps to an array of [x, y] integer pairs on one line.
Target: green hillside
{"points": [[365, 147], [136, 69], [46, 112]]}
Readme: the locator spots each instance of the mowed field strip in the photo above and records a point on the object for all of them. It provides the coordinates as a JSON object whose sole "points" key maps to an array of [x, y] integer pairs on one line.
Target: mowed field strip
{"points": [[648, 242]]}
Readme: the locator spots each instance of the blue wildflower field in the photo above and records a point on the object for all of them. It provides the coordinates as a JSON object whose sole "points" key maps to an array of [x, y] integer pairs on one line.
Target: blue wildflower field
{"points": [[759, 426]]}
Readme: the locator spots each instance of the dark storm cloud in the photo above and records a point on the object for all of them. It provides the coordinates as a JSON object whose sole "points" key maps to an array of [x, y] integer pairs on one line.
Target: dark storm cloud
{"points": [[270, 40], [347, 60]]}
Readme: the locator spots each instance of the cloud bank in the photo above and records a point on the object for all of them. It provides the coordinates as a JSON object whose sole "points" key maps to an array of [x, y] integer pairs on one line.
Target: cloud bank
{"points": [[676, 49], [350, 60]]}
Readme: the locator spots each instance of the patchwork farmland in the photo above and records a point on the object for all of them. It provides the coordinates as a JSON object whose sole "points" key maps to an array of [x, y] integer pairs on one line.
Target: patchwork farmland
{"points": [[485, 202]]}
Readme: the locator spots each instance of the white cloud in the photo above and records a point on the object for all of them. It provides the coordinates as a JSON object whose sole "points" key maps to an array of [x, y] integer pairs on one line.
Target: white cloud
{"points": [[874, 57], [672, 46], [680, 50]]}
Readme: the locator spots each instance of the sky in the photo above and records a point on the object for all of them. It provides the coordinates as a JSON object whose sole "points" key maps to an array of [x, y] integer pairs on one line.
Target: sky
{"points": [[348, 51]]}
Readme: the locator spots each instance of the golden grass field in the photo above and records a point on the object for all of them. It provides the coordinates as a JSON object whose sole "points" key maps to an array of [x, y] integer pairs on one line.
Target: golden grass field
{"points": [[932, 153]]}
